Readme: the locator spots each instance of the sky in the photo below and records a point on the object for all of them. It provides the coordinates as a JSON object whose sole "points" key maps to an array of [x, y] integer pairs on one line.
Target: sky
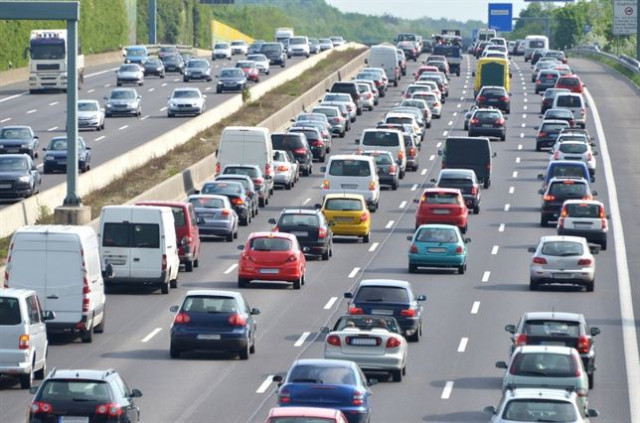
{"points": [[461, 10]]}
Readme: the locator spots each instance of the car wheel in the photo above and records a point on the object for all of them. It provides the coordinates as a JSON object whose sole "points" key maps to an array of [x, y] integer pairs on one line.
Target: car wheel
{"points": [[188, 266], [242, 282], [544, 222], [87, 336], [322, 158], [343, 133], [173, 351], [174, 282], [463, 229], [245, 221], [229, 238], [533, 286], [326, 255], [170, 115], [462, 269], [591, 381], [396, 375], [261, 202], [297, 283], [476, 209], [244, 353], [26, 381], [164, 288], [289, 185], [415, 337], [359, 111], [365, 239], [466, 127], [394, 186], [413, 268], [538, 148], [603, 245], [99, 328], [591, 286], [487, 183], [395, 83]]}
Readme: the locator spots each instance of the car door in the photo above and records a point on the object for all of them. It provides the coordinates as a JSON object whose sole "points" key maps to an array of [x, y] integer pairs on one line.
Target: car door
{"points": [[37, 330]]}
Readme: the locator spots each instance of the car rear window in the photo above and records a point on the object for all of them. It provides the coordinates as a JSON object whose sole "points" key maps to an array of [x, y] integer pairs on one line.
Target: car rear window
{"points": [[573, 148], [441, 198], [553, 127], [178, 216], [251, 172], [326, 111], [270, 244], [552, 328], [326, 375], [310, 220], [585, 210], [569, 101], [311, 135], [385, 294], [454, 182], [437, 235], [567, 171], [343, 204], [349, 168], [493, 92], [286, 142], [567, 188], [381, 138], [568, 81], [543, 365], [222, 188], [75, 391], [9, 312], [531, 410], [210, 304], [131, 235], [207, 203], [562, 248], [399, 120]]}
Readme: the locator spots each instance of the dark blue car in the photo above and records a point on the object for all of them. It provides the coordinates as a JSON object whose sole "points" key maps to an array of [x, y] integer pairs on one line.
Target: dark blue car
{"points": [[231, 79], [338, 384], [388, 297], [55, 155]]}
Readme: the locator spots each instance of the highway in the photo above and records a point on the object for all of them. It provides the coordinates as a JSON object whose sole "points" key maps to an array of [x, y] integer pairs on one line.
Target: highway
{"points": [[451, 375], [46, 113]]}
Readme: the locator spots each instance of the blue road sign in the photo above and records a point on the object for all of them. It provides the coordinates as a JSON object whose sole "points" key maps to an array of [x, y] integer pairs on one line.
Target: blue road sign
{"points": [[501, 16]]}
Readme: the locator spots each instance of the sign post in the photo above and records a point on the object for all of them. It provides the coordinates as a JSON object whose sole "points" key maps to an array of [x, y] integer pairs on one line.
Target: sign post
{"points": [[501, 17]]}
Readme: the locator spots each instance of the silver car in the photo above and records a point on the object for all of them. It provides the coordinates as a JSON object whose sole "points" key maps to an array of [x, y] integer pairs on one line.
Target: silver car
{"points": [[332, 99], [366, 94], [123, 101], [339, 124], [197, 69], [560, 259], [285, 169], [130, 73], [215, 216], [186, 101], [90, 115], [262, 63]]}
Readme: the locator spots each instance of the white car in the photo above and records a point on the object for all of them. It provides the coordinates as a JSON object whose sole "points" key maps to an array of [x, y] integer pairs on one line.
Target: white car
{"points": [[575, 150], [366, 95], [130, 73], [299, 46], [286, 169], [239, 47], [186, 101], [585, 218], [221, 51], [373, 342], [261, 61], [90, 115], [432, 100]]}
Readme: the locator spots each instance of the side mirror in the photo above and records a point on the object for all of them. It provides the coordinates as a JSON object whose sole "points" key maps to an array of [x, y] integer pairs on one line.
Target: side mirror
{"points": [[356, 141], [490, 409], [25, 54], [531, 249], [196, 191], [467, 240], [371, 382], [88, 148], [240, 247], [34, 390], [501, 365], [594, 331], [48, 315], [325, 330], [510, 328], [272, 221], [277, 378], [421, 297], [409, 238], [255, 311], [317, 206], [108, 271], [473, 73], [323, 169], [433, 180], [44, 148], [105, 97], [595, 192], [268, 177], [348, 295], [540, 116], [594, 248], [541, 191], [306, 249], [591, 412], [415, 200], [540, 176], [536, 128], [174, 309], [34, 167], [135, 393], [440, 153]]}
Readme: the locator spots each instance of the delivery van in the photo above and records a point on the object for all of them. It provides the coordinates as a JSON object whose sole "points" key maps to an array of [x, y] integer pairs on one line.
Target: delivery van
{"points": [[385, 57], [534, 42], [491, 71], [469, 153], [352, 174]]}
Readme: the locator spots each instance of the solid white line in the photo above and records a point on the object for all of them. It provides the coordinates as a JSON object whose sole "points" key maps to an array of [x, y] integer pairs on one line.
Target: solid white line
{"points": [[515, 174], [414, 187], [354, 272], [123, 127], [629, 339], [494, 250], [438, 145], [519, 146], [511, 190], [176, 79], [151, 335], [100, 138], [302, 338], [373, 247], [431, 157], [424, 172], [5, 120], [52, 129], [306, 201], [144, 117], [100, 72], [265, 385], [446, 392], [463, 344], [517, 159], [231, 268], [107, 85], [11, 97], [444, 134], [330, 303], [32, 111], [389, 224], [53, 104], [507, 207], [485, 276], [402, 205], [501, 227], [475, 307], [91, 90]]}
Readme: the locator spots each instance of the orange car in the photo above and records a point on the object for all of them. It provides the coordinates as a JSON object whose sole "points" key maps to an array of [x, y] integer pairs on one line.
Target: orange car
{"points": [[572, 83]]}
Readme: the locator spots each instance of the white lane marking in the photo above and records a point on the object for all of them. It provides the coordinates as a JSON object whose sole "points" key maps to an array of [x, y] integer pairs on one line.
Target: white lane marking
{"points": [[438, 145], [354, 272], [631, 354], [53, 104], [507, 207], [231, 268], [455, 113], [107, 85], [176, 79], [431, 157], [164, 84], [123, 127], [501, 227], [151, 335], [446, 392], [90, 75], [389, 224], [52, 129], [525, 100], [525, 107], [402, 205], [306, 201], [519, 146], [494, 250], [524, 124], [459, 105], [11, 97], [207, 89], [163, 109], [414, 187], [330, 303], [524, 116], [511, 190], [517, 159], [151, 90], [521, 134], [32, 111], [265, 385], [515, 174], [145, 117], [373, 247], [450, 123], [91, 90], [485, 276], [463, 344], [5, 120], [424, 172], [444, 133], [100, 138], [475, 307], [302, 338]]}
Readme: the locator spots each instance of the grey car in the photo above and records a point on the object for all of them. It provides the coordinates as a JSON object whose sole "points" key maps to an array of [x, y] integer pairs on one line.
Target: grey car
{"points": [[325, 44], [90, 115], [388, 172], [546, 79], [197, 69], [130, 73], [123, 101], [249, 187], [186, 101], [339, 124], [19, 176], [19, 140], [215, 216], [231, 79]]}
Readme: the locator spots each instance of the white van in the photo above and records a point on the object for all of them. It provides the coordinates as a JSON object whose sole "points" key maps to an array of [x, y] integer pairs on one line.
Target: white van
{"points": [[23, 336], [575, 103], [534, 42], [353, 174], [247, 145], [390, 140], [62, 264], [486, 34], [140, 244], [385, 57]]}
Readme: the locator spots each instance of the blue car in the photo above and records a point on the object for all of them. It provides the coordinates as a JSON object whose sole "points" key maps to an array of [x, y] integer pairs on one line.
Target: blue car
{"points": [[338, 384], [55, 155], [438, 246]]}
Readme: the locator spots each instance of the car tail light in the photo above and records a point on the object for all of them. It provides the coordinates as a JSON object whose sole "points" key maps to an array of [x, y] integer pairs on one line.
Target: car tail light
{"points": [[603, 218], [539, 260], [481, 98], [369, 95], [556, 155], [282, 168], [408, 312], [413, 249], [267, 169], [299, 151], [325, 184], [292, 258], [412, 153], [393, 343], [500, 121], [581, 392], [110, 409], [23, 342], [364, 217], [237, 201], [572, 122], [400, 155], [474, 121], [355, 310], [38, 407], [522, 339], [322, 233], [218, 169], [504, 98], [548, 197], [284, 396], [583, 345], [589, 156], [582, 111], [372, 186], [358, 397], [181, 318], [585, 262], [237, 320], [459, 249], [164, 262], [488, 166], [334, 340], [258, 181], [561, 222], [392, 170], [335, 120], [225, 212], [474, 190], [542, 134]]}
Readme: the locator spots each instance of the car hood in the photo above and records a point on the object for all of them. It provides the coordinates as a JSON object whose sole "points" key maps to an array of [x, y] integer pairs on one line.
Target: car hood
{"points": [[56, 153], [88, 115], [129, 74], [185, 100], [150, 66], [201, 70]]}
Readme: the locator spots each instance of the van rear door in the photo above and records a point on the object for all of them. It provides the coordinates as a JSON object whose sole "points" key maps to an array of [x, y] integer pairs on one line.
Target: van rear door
{"points": [[27, 264], [63, 290], [115, 239], [146, 252]]}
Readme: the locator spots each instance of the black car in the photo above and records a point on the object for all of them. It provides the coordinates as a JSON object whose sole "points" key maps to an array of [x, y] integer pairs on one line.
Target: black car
{"points": [[310, 228], [350, 88], [97, 395], [466, 181], [174, 63], [548, 133], [388, 171], [231, 79], [559, 190], [19, 140], [489, 123], [55, 155], [261, 183], [154, 67], [297, 144], [536, 55], [548, 97], [19, 176], [557, 328], [559, 114], [494, 96], [275, 53], [255, 47], [249, 187], [427, 46], [314, 138], [237, 195]]}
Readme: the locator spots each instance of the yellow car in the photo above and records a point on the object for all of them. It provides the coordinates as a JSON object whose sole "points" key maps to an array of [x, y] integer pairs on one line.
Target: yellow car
{"points": [[347, 214]]}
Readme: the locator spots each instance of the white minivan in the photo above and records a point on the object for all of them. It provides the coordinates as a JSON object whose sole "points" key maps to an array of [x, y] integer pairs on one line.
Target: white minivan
{"points": [[140, 244], [574, 102], [390, 140], [385, 57], [353, 174], [247, 145], [23, 336], [534, 42], [62, 264]]}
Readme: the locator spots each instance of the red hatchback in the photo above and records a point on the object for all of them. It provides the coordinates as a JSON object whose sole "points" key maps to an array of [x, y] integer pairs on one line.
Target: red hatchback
{"points": [[272, 256], [425, 68], [572, 83], [442, 205], [250, 70]]}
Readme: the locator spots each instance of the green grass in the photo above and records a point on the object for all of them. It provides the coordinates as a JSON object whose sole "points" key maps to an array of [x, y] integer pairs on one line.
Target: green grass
{"points": [[634, 77]]}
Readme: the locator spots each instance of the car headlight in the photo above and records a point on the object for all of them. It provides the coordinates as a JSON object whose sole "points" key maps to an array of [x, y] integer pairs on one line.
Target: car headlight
{"points": [[158, 69], [109, 105], [24, 179], [172, 104], [24, 146], [48, 158]]}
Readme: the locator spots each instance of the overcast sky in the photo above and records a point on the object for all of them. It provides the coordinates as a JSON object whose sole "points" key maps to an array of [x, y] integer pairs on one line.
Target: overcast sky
{"points": [[462, 10]]}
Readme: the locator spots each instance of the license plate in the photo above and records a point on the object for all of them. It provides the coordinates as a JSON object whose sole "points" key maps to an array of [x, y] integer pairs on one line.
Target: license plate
{"points": [[268, 271], [436, 250], [363, 341], [441, 211], [582, 224], [62, 162], [348, 186], [13, 150], [382, 312], [487, 125], [298, 233], [344, 219], [552, 343], [562, 275], [73, 419], [208, 337], [5, 186]]}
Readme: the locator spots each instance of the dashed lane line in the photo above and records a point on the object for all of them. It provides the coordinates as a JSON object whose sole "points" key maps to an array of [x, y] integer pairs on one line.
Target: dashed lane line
{"points": [[302, 338], [354, 272], [330, 303], [389, 224], [463, 344], [265, 385], [485, 276], [231, 268], [373, 247], [151, 335], [446, 392], [402, 205], [512, 190], [494, 250], [501, 227]]}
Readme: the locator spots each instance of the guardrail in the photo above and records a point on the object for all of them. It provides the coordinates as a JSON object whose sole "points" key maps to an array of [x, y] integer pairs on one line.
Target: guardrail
{"points": [[626, 61]]}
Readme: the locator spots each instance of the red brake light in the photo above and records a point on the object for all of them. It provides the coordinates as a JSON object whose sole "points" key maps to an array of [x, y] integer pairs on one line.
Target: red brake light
{"points": [[392, 170], [474, 121], [548, 197], [237, 320], [364, 217], [585, 262], [355, 310], [322, 233], [237, 201], [267, 169], [284, 397], [218, 169], [181, 318], [542, 134], [556, 155], [540, 260], [408, 312], [258, 181], [325, 184], [459, 249], [358, 398], [333, 340], [393, 343], [110, 409], [38, 407], [282, 168], [500, 121], [413, 249], [292, 258], [474, 190], [583, 345], [299, 151], [372, 186], [225, 212], [164, 262], [482, 98], [23, 342], [505, 98], [522, 339]]}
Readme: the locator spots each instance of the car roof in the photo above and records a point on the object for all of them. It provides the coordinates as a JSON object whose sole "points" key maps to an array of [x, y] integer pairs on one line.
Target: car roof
{"points": [[553, 315], [540, 393], [579, 180], [324, 362], [385, 282], [445, 190], [554, 121], [346, 194], [15, 292], [437, 226], [20, 126], [578, 201], [218, 196], [80, 374], [301, 211], [213, 293], [232, 176], [457, 172], [350, 156]]}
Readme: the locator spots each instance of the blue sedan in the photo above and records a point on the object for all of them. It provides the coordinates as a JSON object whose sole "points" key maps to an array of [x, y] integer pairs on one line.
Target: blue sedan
{"points": [[338, 384], [438, 246], [55, 156]]}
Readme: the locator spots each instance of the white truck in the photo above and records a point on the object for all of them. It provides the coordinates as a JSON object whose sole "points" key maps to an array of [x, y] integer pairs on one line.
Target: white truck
{"points": [[48, 50], [283, 34]]}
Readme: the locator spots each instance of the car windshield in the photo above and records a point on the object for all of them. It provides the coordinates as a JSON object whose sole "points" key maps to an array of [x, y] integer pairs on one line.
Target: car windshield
{"points": [[231, 73], [61, 391], [299, 219], [207, 203], [419, 104], [552, 93], [539, 410], [61, 145], [487, 115], [186, 94], [129, 68], [210, 304], [343, 204], [386, 294], [123, 95], [197, 64], [237, 43], [568, 188], [88, 107], [9, 310], [367, 323], [295, 40], [174, 58], [349, 168], [573, 148], [568, 171], [543, 364], [221, 46], [270, 244], [562, 248], [552, 328], [222, 188], [270, 48], [437, 235], [15, 133], [569, 82], [153, 62], [326, 374], [136, 51]]}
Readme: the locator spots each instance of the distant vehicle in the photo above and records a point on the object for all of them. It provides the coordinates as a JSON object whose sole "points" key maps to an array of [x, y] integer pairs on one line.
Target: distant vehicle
{"points": [[574, 102], [130, 74], [384, 57], [465, 180], [469, 153], [221, 51], [237, 195], [55, 155], [314, 45], [347, 215], [453, 53], [19, 140], [166, 51], [485, 34], [19, 176], [123, 101], [325, 44], [90, 115], [154, 66], [491, 72], [283, 33], [261, 61], [438, 246], [557, 192], [174, 63], [215, 216], [250, 69], [337, 41], [186, 101], [298, 145], [299, 46], [48, 60], [533, 42], [489, 123], [239, 47], [275, 53], [442, 205], [585, 218], [197, 69], [254, 48], [310, 227], [136, 54]]}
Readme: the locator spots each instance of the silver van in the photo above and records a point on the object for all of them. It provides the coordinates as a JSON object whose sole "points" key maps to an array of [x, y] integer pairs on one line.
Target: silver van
{"points": [[390, 140], [352, 174]]}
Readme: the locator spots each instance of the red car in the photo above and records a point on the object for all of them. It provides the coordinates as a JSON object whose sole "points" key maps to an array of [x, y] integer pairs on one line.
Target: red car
{"points": [[572, 83], [187, 231], [250, 70], [424, 68], [442, 205], [272, 256]]}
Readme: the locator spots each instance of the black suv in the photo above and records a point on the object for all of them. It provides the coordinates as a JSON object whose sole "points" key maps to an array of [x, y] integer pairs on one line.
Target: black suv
{"points": [[466, 181], [99, 395], [297, 144], [559, 190], [557, 328], [494, 96], [488, 123], [350, 88], [275, 53], [310, 227], [314, 138]]}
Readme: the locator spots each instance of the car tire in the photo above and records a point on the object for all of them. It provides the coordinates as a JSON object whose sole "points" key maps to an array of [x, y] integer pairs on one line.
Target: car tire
{"points": [[87, 336], [544, 222], [165, 288], [343, 133], [463, 229], [242, 282], [26, 381], [99, 328], [40, 374], [297, 283], [603, 245], [252, 348], [229, 238], [394, 186], [591, 286], [365, 239], [466, 127], [503, 137], [188, 266], [413, 268], [326, 254], [322, 158], [402, 173], [538, 148], [261, 202], [462, 269], [359, 111], [288, 186], [174, 352], [396, 375], [395, 83], [476, 209], [415, 337], [244, 353], [174, 283], [533, 286], [487, 183], [170, 115], [590, 376]]}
